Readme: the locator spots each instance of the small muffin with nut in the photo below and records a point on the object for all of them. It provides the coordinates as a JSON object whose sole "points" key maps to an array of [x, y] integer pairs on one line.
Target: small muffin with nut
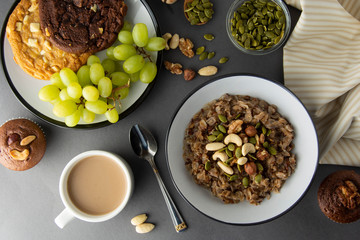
{"points": [[22, 144], [339, 196]]}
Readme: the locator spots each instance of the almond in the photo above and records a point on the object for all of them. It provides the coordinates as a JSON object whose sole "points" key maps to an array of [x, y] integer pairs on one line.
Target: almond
{"points": [[144, 227], [27, 140], [208, 71], [19, 156], [139, 219]]}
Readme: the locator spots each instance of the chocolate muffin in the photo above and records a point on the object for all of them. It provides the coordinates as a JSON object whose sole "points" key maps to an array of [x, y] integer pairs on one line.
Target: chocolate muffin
{"points": [[79, 26], [22, 144], [339, 196]]}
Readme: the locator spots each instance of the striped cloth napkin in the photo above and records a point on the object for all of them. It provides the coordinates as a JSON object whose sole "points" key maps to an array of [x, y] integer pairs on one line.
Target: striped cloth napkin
{"points": [[322, 67]]}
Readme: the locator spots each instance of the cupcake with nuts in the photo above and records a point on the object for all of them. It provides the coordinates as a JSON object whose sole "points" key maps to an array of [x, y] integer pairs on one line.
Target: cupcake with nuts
{"points": [[22, 144], [339, 196]]}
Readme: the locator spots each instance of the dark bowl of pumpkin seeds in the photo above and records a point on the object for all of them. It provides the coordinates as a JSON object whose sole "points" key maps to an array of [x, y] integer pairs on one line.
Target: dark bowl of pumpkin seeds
{"points": [[258, 27]]}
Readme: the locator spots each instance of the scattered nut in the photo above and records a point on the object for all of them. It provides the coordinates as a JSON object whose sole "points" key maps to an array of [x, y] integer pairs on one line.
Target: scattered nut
{"points": [[208, 71], [220, 155], [169, 1], [186, 47], [174, 42], [214, 146], [14, 137], [235, 126], [189, 74], [94, 8], [250, 131], [101, 30], [174, 68], [250, 168], [20, 156], [247, 148], [139, 219], [167, 37], [262, 155], [144, 227], [225, 168], [242, 160], [233, 138], [27, 140], [34, 27]]}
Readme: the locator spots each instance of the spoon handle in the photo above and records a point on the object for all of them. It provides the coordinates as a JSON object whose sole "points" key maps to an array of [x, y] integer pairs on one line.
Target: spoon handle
{"points": [[176, 218]]}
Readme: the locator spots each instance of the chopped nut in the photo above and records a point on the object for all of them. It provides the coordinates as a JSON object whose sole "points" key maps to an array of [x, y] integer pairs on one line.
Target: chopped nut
{"points": [[20, 156], [47, 33], [174, 42], [186, 47], [18, 26], [42, 52], [189, 74], [26, 19], [47, 44], [94, 8], [262, 155], [235, 126], [348, 195], [27, 140], [34, 6], [101, 30], [166, 37], [208, 71], [55, 68], [34, 27], [174, 68]]}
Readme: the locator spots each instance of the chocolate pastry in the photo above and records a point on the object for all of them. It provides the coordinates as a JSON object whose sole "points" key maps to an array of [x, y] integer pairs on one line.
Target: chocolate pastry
{"points": [[22, 144], [79, 26], [339, 196]]}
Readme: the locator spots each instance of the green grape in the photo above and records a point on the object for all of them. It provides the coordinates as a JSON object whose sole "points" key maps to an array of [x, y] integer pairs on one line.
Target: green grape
{"points": [[140, 34], [54, 101], [109, 66], [122, 93], [55, 79], [112, 115], [90, 93], [125, 37], [134, 77], [83, 75], [93, 59], [67, 76], [127, 26], [73, 119], [105, 100], [134, 64], [96, 73], [105, 87], [110, 53], [124, 51], [48, 93], [64, 95], [64, 108], [148, 72], [98, 106], [74, 90], [155, 44], [118, 66], [119, 78], [88, 116]]}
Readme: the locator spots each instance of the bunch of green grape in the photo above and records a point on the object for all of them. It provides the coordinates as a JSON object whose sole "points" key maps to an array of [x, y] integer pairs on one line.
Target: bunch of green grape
{"points": [[98, 87]]}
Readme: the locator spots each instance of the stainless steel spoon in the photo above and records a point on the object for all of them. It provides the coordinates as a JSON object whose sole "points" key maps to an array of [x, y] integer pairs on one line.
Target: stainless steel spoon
{"points": [[145, 146]]}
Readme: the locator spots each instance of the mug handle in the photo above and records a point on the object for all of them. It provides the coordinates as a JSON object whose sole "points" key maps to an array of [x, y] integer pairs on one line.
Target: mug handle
{"points": [[64, 218]]}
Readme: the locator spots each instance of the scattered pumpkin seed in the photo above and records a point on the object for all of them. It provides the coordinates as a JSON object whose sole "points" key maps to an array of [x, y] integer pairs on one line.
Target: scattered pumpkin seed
{"points": [[265, 144], [211, 138], [222, 128], [203, 56], [233, 177], [272, 150], [258, 178], [238, 152], [264, 130], [220, 137], [223, 60], [252, 140], [258, 125], [200, 50], [222, 118], [207, 166], [199, 12], [245, 182], [239, 168], [259, 167], [228, 152], [209, 37], [216, 132], [211, 55], [231, 147]]}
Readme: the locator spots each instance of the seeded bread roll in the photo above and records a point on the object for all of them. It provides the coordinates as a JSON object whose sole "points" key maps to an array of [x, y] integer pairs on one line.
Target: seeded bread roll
{"points": [[22, 144]]}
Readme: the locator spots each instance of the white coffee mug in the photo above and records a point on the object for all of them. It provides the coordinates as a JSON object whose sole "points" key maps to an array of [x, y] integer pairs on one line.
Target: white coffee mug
{"points": [[71, 211]]}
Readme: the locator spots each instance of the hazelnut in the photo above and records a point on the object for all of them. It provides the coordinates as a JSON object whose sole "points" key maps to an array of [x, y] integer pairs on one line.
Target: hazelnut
{"points": [[189, 74], [250, 131], [250, 168], [14, 137]]}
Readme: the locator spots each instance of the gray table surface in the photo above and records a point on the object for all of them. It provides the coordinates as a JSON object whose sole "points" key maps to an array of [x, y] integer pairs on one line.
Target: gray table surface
{"points": [[29, 201]]}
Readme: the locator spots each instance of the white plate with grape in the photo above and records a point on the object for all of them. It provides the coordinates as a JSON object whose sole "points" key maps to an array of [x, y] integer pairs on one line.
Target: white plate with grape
{"points": [[128, 97]]}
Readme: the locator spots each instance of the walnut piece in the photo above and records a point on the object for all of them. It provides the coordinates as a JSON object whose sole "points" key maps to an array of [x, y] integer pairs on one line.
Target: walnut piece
{"points": [[348, 195], [186, 47], [189, 74], [174, 68]]}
